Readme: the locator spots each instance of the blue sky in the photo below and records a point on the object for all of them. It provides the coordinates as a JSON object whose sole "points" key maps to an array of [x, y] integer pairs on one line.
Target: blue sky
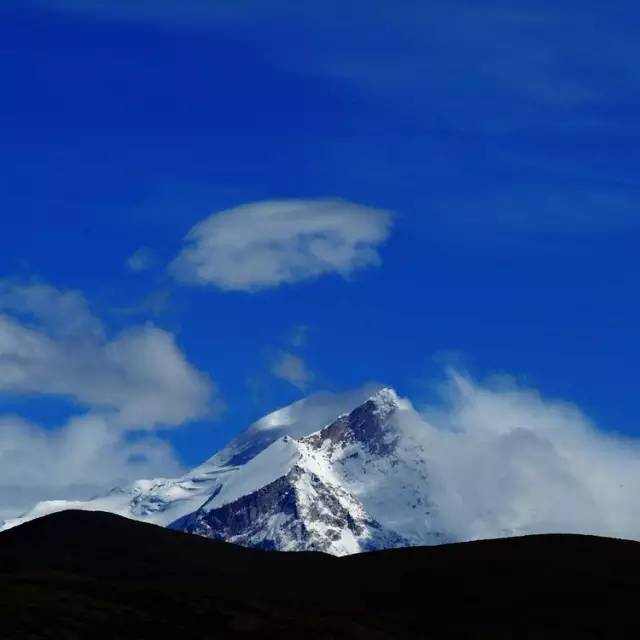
{"points": [[502, 143]]}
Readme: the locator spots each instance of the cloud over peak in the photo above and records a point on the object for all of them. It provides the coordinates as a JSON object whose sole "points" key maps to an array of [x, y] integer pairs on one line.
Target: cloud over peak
{"points": [[504, 460], [265, 244]]}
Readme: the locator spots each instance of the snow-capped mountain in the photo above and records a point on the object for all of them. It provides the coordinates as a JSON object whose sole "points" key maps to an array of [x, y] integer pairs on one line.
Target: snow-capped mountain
{"points": [[358, 484], [302, 478]]}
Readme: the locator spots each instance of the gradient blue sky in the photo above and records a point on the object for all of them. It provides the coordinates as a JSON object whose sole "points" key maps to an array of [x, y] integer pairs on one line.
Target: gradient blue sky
{"points": [[505, 140]]}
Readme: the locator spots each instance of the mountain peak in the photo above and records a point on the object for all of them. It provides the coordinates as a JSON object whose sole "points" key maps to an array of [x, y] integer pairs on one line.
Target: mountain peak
{"points": [[386, 401], [368, 424]]}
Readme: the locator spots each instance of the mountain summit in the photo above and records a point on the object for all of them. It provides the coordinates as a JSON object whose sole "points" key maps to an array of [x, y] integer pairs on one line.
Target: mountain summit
{"points": [[355, 482]]}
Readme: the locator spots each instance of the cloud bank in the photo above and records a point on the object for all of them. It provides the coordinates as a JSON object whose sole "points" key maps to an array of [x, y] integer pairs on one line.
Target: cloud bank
{"points": [[266, 244], [124, 387], [85, 457], [506, 461]]}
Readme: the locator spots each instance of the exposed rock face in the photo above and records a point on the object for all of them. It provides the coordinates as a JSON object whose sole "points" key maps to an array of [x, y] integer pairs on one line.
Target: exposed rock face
{"points": [[295, 512], [246, 517], [367, 424]]}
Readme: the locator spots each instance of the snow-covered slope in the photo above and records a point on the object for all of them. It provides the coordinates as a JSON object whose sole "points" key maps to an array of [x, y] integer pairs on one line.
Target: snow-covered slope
{"points": [[159, 500], [358, 484], [163, 500]]}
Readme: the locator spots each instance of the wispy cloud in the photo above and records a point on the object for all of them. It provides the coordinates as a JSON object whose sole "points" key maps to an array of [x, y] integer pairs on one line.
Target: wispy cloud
{"points": [[550, 56], [299, 335], [266, 244], [483, 76], [524, 211], [156, 303], [60, 313], [141, 260], [292, 369]]}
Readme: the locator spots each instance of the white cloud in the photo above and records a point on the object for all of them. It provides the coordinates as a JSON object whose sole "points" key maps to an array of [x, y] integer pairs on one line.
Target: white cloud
{"points": [[141, 375], [86, 457], [136, 381], [313, 411], [291, 368], [63, 313], [265, 244], [504, 460], [141, 260]]}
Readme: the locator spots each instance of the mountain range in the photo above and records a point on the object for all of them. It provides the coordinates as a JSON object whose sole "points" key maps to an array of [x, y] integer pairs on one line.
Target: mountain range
{"points": [[299, 479]]}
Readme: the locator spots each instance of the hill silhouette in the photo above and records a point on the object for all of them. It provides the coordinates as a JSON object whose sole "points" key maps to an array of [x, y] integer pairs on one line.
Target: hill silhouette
{"points": [[92, 575]]}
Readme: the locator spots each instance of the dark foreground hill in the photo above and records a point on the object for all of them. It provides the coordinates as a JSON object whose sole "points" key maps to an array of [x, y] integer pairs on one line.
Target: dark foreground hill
{"points": [[95, 575]]}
